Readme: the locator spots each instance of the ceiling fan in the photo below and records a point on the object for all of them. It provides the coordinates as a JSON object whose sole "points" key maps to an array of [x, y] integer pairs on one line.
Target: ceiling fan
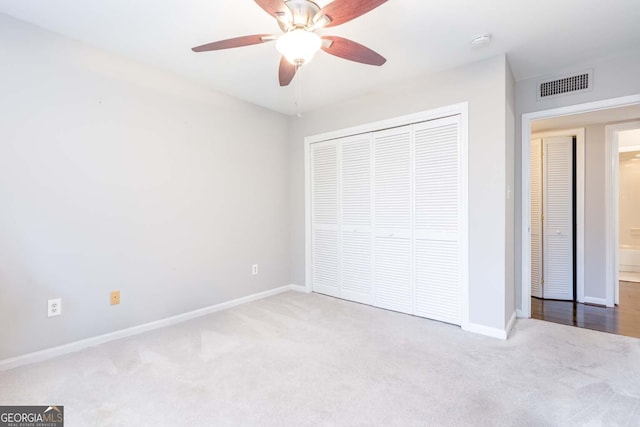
{"points": [[299, 19]]}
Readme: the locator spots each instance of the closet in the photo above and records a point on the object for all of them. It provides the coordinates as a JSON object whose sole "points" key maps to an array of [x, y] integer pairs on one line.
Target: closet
{"points": [[386, 212], [552, 218]]}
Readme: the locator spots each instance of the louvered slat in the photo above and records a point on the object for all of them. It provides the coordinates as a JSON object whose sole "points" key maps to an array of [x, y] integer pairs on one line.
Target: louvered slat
{"points": [[437, 174], [356, 180], [558, 283], [325, 183], [536, 218], [324, 200], [437, 205], [558, 218], [325, 262], [392, 188], [393, 274], [438, 280], [393, 178], [356, 267], [356, 193]]}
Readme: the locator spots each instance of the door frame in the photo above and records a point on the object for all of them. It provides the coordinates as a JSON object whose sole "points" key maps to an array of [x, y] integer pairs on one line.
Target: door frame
{"points": [[580, 135], [461, 109], [525, 170], [612, 188]]}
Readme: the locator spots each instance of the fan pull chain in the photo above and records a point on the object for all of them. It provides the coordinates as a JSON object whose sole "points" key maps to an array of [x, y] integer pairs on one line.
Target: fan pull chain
{"points": [[299, 89]]}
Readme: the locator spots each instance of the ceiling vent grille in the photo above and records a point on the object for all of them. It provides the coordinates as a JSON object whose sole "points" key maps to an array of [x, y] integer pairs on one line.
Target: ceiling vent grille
{"points": [[566, 85]]}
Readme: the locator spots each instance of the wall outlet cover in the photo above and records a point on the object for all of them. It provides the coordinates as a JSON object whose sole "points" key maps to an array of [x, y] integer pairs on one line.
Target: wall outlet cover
{"points": [[54, 307]]}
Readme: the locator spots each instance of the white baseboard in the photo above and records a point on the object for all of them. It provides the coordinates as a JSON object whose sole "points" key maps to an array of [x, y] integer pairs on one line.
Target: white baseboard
{"points": [[50, 353], [486, 330], [597, 301], [512, 321], [299, 288], [520, 314]]}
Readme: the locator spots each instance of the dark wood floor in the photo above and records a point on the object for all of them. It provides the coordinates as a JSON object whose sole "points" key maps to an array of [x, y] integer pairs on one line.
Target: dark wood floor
{"points": [[622, 320]]}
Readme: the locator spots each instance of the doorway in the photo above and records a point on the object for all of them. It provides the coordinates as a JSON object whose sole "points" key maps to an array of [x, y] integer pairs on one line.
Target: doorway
{"points": [[527, 121], [616, 307], [623, 139], [623, 223], [556, 222], [629, 204]]}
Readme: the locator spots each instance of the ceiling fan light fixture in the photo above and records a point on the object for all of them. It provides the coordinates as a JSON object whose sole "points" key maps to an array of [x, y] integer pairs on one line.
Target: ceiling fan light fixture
{"points": [[299, 46]]}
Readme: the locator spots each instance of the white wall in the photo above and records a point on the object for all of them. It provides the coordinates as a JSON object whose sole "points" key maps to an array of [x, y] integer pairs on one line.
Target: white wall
{"points": [[629, 184], [481, 84], [595, 212], [510, 302], [116, 176], [613, 77]]}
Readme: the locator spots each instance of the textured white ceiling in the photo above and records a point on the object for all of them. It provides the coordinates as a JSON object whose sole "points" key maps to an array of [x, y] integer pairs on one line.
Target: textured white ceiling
{"points": [[416, 36]]}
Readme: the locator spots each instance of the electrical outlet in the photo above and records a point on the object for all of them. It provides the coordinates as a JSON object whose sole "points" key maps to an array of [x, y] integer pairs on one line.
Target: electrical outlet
{"points": [[254, 269], [54, 307], [115, 297]]}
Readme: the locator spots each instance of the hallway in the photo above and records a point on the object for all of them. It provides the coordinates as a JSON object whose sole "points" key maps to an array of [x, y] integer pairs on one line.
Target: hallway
{"points": [[622, 320]]}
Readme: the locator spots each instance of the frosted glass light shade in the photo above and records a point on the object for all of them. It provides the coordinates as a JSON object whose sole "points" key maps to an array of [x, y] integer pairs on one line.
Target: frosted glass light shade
{"points": [[298, 46]]}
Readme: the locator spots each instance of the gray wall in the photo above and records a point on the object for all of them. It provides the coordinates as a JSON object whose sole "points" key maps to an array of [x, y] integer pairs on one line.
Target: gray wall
{"points": [[613, 77], [595, 211], [117, 176], [510, 107], [481, 84]]}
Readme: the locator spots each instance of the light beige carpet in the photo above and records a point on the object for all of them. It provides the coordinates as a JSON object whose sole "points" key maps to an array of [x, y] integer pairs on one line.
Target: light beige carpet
{"points": [[297, 359]]}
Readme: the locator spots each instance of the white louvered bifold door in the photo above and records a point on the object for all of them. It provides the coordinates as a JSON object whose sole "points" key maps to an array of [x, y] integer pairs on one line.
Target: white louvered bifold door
{"points": [[558, 218], [387, 218], [325, 268], [392, 213], [356, 198], [536, 218], [437, 209]]}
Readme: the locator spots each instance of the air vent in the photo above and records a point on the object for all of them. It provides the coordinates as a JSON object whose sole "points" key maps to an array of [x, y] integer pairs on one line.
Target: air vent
{"points": [[566, 85]]}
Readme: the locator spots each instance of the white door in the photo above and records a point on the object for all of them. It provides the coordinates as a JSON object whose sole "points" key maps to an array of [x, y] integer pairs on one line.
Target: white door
{"points": [[536, 218], [356, 219], [325, 268], [392, 213], [558, 218], [387, 219], [437, 224]]}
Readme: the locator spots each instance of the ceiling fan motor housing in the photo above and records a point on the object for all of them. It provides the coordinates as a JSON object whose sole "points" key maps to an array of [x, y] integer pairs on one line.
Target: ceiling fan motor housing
{"points": [[302, 14]]}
